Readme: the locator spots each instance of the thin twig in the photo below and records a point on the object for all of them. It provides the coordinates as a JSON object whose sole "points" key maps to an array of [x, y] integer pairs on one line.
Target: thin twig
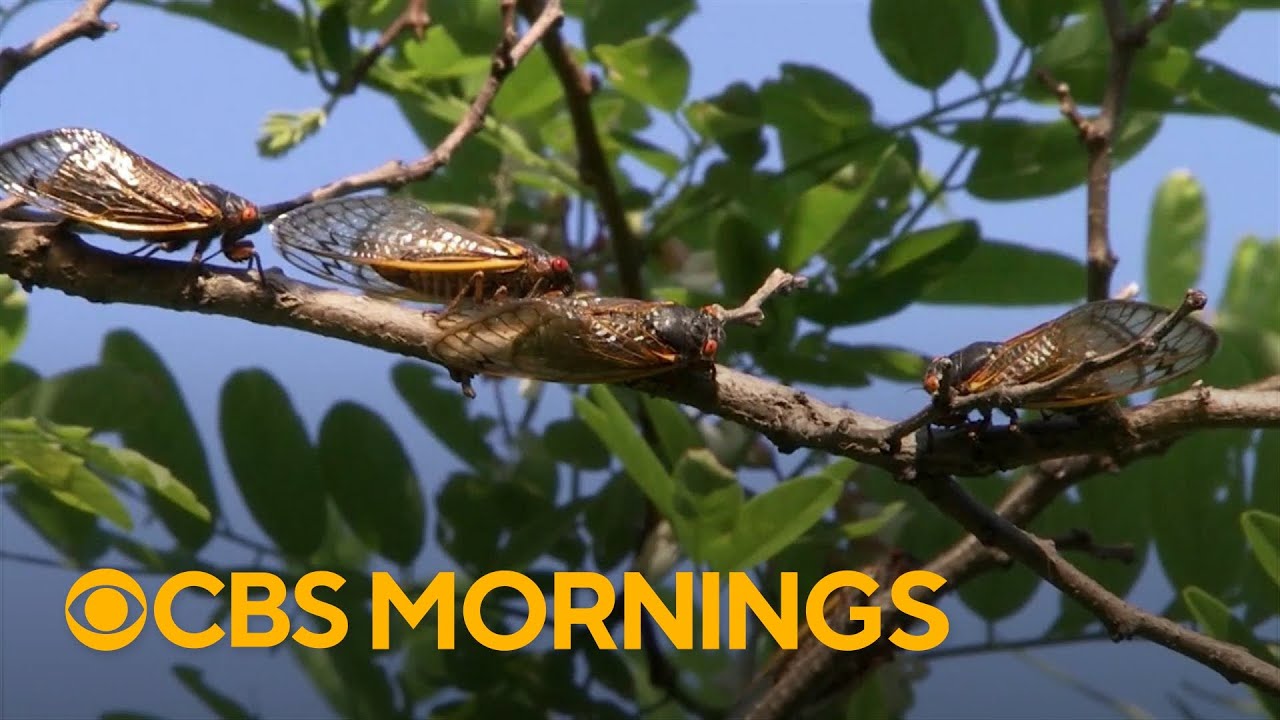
{"points": [[593, 164], [396, 173], [413, 17], [1080, 540], [750, 313], [85, 22]]}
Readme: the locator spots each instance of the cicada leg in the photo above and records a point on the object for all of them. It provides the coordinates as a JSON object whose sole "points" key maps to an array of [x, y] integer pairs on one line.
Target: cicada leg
{"points": [[474, 286], [145, 250], [464, 380]]}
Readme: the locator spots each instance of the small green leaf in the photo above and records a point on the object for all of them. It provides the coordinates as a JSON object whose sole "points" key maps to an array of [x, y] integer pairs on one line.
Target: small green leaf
{"points": [[615, 22], [13, 317], [438, 57], [733, 120], [602, 413], [369, 477], [1044, 277], [155, 478], [283, 131], [651, 69], [676, 432], [442, 410], [1175, 238], [814, 111], [867, 527], [334, 32], [1252, 295], [743, 255], [72, 532], [1263, 531], [708, 498], [531, 88], [922, 40], [272, 461]]}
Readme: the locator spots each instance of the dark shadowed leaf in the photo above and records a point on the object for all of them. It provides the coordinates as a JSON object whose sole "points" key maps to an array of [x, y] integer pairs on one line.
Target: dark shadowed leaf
{"points": [[334, 32], [743, 255], [15, 378], [570, 440], [1018, 159], [922, 40], [367, 473], [272, 461], [979, 42], [893, 277], [75, 534], [610, 23], [262, 21], [613, 522], [166, 433], [815, 111], [732, 119], [651, 69], [1175, 238], [1033, 21], [443, 411], [996, 596], [1006, 273]]}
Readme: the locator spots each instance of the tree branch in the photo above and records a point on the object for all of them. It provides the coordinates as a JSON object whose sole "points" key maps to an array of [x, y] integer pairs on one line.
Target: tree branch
{"points": [[593, 165], [46, 255], [85, 22], [395, 173]]}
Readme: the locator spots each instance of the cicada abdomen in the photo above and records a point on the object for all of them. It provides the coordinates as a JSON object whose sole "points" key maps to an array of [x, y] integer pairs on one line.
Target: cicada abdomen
{"points": [[395, 247], [96, 182], [1052, 349], [582, 339]]}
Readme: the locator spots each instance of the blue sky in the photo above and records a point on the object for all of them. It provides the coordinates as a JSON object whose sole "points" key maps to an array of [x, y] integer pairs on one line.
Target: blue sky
{"points": [[192, 98]]}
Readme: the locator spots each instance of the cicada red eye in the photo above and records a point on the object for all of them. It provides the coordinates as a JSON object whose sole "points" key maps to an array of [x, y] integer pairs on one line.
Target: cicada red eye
{"points": [[709, 348], [393, 246], [559, 264]]}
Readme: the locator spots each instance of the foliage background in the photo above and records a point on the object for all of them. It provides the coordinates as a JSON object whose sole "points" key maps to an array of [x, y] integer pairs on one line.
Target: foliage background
{"points": [[193, 97]]}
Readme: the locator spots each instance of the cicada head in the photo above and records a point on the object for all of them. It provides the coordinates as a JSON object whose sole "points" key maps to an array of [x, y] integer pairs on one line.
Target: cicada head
{"points": [[964, 362], [694, 334], [551, 272], [237, 213]]}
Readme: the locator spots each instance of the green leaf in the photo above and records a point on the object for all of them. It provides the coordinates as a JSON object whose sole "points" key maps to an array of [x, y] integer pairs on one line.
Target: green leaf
{"points": [[771, 521], [334, 32], [262, 21], [1175, 238], [611, 23], [815, 218], [922, 40], [442, 410], [15, 378], [569, 440], [708, 499], [651, 69], [1044, 277], [814, 111], [869, 526], [601, 411], [272, 461], [531, 88], [1215, 619], [1252, 295], [979, 42], [676, 432], [743, 255], [1034, 21], [1263, 531], [893, 277], [732, 119], [166, 433], [437, 57], [13, 317], [1019, 160], [155, 478], [369, 477], [283, 131]]}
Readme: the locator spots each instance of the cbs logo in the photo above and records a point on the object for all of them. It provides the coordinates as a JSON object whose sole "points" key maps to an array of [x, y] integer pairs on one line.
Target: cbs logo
{"points": [[106, 609]]}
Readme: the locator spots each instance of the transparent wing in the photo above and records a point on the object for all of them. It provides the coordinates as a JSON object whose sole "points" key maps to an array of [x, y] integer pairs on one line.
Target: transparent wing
{"points": [[89, 176], [344, 240], [1098, 328]]}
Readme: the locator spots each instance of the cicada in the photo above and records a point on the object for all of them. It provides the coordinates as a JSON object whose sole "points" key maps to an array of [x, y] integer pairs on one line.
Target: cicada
{"points": [[1098, 328], [96, 182], [581, 339], [395, 247]]}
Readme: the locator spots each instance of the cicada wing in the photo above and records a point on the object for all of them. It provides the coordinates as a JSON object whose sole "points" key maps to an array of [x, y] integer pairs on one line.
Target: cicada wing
{"points": [[89, 176], [349, 239], [1099, 328]]}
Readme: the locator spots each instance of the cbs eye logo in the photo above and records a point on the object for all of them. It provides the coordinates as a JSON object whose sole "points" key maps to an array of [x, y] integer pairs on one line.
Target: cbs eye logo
{"points": [[106, 608]]}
